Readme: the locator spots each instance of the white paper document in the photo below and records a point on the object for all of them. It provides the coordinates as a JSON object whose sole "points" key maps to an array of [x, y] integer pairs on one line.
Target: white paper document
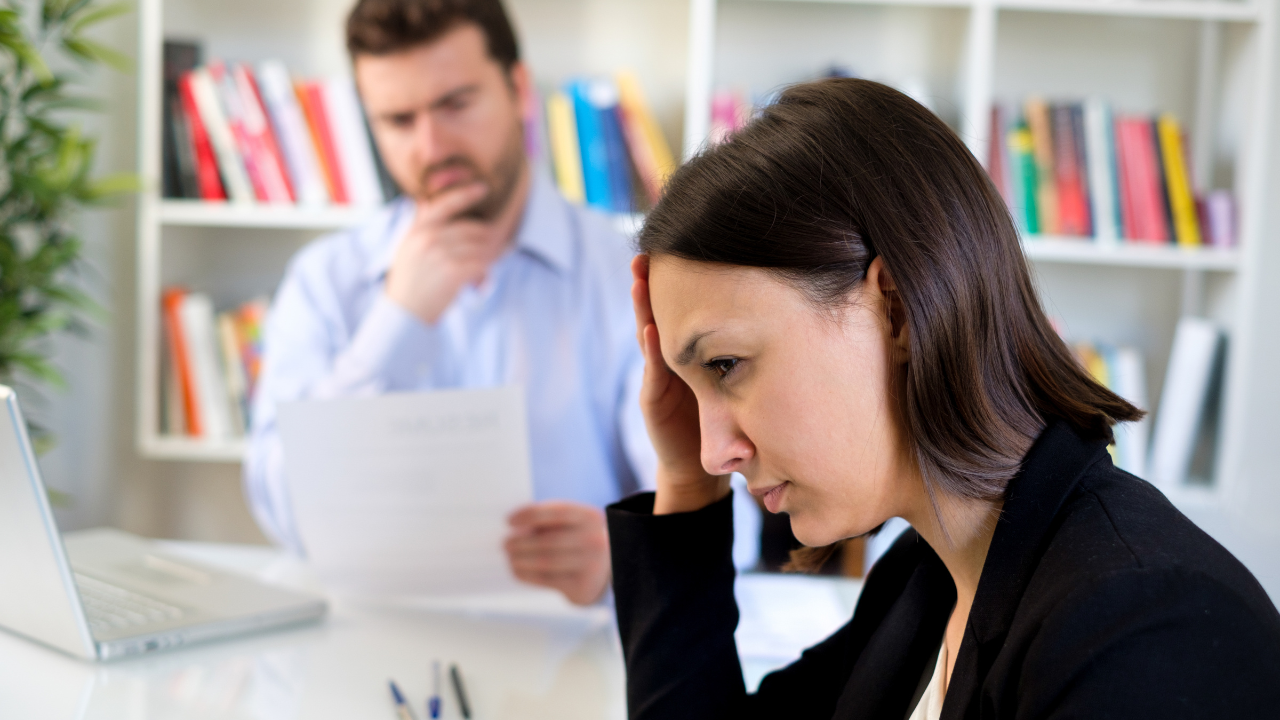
{"points": [[408, 494]]}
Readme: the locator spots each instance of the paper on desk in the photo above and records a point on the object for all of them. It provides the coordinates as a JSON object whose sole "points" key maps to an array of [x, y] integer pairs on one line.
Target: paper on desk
{"points": [[408, 494]]}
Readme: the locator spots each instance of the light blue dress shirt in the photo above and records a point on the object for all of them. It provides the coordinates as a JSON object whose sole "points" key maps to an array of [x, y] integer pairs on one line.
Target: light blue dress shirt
{"points": [[553, 316]]}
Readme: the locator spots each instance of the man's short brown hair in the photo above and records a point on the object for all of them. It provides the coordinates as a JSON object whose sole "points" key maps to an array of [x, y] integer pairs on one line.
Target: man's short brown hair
{"points": [[383, 27]]}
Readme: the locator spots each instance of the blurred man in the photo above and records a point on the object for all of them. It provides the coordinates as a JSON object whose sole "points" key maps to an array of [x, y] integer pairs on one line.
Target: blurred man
{"points": [[479, 276]]}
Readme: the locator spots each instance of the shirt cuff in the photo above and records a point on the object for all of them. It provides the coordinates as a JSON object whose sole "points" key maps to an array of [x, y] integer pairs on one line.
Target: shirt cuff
{"points": [[391, 350]]}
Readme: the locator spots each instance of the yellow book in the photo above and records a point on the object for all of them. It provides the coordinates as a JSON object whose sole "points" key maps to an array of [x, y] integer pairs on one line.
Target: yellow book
{"points": [[1182, 203], [566, 156], [660, 162]]}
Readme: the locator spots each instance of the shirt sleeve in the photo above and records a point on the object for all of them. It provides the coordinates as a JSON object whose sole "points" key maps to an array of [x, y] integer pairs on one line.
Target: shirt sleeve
{"points": [[309, 352]]}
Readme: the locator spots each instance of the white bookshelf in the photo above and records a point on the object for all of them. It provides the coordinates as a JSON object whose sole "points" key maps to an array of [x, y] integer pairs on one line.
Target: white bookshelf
{"points": [[1208, 61]]}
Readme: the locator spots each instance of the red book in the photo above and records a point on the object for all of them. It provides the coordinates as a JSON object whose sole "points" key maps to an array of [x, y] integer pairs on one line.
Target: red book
{"points": [[312, 96], [1148, 193], [1124, 194], [233, 107], [171, 303], [207, 177], [262, 141]]}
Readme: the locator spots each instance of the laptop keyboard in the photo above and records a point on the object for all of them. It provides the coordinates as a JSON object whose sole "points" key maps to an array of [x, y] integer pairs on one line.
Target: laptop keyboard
{"points": [[110, 607]]}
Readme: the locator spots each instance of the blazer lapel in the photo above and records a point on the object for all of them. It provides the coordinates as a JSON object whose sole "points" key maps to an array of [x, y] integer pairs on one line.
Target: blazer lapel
{"points": [[886, 674], [1050, 471]]}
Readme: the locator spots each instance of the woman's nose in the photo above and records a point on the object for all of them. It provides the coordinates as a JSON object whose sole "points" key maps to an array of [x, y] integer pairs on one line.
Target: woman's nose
{"points": [[725, 448]]}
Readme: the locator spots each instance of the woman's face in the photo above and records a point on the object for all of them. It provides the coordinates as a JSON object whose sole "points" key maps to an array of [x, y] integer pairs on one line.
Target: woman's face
{"points": [[796, 398]]}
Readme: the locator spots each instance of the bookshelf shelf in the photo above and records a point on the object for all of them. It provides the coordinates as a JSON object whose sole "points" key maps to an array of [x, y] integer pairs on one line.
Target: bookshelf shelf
{"points": [[214, 214], [1224, 10], [1087, 252], [161, 447], [901, 3], [1220, 10]]}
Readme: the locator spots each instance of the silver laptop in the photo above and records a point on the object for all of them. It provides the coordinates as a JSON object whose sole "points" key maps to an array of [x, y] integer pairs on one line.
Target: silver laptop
{"points": [[110, 594]]}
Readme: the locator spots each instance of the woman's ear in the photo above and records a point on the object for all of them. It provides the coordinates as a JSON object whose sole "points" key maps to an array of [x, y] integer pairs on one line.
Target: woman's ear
{"points": [[881, 282]]}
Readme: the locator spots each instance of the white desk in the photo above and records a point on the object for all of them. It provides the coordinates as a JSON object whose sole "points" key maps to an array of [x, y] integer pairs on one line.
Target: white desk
{"points": [[541, 659]]}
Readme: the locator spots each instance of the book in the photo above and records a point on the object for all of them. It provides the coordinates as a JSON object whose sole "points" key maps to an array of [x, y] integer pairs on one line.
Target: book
{"points": [[1182, 204], [180, 144], [1220, 218], [267, 157], [566, 153], [997, 162], [310, 97], [1072, 219], [1082, 166], [292, 133], [1192, 363], [212, 403], [173, 420], [620, 170], [179, 351], [1126, 175], [234, 380], [1162, 179], [1099, 144], [249, 321], [177, 157], [1025, 177], [208, 179], [1129, 380], [1037, 114], [593, 147], [209, 108], [1143, 182], [650, 151], [233, 110], [351, 142]]}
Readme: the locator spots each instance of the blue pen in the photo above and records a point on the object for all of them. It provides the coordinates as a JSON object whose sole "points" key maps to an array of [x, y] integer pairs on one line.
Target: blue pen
{"points": [[402, 709], [433, 704]]}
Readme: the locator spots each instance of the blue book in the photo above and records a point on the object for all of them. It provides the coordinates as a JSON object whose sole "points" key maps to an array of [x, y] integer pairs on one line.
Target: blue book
{"points": [[619, 162], [595, 147]]}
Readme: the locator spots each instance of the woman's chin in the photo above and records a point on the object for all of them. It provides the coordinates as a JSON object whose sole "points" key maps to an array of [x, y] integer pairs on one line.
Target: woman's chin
{"points": [[811, 534]]}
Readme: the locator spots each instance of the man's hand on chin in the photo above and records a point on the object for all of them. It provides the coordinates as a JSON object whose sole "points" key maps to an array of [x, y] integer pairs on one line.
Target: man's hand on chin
{"points": [[561, 545]]}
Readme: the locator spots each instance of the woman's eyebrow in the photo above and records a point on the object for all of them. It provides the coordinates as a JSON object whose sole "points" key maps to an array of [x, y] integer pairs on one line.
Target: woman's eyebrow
{"points": [[691, 348]]}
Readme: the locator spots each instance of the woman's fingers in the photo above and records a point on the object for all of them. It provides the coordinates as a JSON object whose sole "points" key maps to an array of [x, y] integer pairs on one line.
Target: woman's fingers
{"points": [[640, 295]]}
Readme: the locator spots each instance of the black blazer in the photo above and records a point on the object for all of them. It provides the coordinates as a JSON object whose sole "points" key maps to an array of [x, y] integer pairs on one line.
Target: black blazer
{"points": [[1098, 599]]}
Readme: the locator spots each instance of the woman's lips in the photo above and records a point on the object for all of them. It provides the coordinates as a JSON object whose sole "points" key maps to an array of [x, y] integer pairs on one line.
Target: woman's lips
{"points": [[773, 497]]}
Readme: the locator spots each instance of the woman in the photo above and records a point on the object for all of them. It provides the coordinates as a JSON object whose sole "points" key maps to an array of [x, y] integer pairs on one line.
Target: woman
{"points": [[834, 303]]}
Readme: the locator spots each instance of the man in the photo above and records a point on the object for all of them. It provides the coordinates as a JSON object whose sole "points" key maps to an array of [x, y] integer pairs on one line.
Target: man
{"points": [[481, 275]]}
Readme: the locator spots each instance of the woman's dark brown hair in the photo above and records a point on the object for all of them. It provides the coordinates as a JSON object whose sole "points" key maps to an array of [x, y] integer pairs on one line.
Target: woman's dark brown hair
{"points": [[839, 172]]}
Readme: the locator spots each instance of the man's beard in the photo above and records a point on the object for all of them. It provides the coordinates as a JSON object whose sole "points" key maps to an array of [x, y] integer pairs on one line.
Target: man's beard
{"points": [[502, 181]]}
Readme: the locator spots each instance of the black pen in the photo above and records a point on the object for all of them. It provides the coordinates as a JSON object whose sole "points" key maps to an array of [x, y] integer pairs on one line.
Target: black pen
{"points": [[458, 690]]}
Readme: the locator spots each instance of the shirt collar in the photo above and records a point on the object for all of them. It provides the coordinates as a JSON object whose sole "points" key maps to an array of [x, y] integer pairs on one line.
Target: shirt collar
{"points": [[545, 230]]}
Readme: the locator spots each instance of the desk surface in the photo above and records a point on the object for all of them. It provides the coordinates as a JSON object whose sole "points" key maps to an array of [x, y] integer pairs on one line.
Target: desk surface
{"points": [[532, 657]]}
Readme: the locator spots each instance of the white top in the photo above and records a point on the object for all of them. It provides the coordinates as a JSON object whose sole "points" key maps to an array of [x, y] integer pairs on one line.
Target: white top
{"points": [[930, 705]]}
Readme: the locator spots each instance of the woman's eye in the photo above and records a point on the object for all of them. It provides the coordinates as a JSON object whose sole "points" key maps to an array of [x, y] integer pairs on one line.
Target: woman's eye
{"points": [[721, 366]]}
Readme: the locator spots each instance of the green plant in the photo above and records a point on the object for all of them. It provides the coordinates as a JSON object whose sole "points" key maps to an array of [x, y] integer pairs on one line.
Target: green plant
{"points": [[46, 176]]}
